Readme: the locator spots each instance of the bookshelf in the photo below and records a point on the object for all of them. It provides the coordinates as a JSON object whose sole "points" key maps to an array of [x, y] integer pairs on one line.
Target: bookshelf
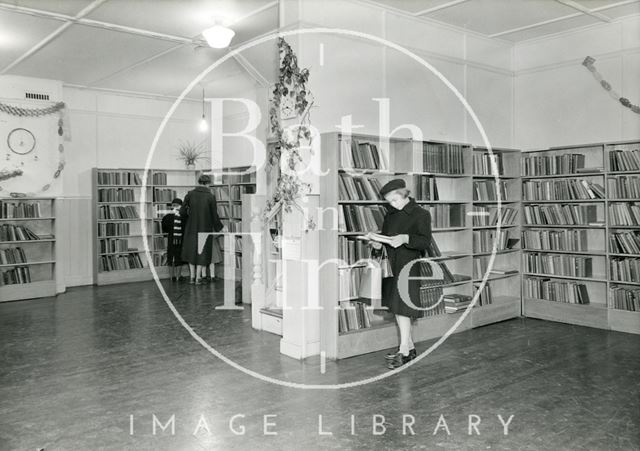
{"points": [[27, 248], [441, 179], [581, 234]]}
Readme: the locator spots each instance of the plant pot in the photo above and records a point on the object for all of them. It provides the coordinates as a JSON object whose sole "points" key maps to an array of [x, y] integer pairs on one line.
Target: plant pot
{"points": [[191, 166]]}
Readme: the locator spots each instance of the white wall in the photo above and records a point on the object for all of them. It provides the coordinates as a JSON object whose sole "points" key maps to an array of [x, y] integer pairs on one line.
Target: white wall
{"points": [[558, 102]]}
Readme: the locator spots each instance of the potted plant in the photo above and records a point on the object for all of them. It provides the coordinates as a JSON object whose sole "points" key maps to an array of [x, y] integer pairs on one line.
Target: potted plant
{"points": [[191, 153]]}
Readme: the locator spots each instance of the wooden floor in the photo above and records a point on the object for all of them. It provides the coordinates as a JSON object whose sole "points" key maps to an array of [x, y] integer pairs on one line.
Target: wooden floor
{"points": [[75, 370]]}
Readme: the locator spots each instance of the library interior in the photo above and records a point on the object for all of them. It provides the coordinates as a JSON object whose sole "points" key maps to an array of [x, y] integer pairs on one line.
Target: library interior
{"points": [[340, 224]]}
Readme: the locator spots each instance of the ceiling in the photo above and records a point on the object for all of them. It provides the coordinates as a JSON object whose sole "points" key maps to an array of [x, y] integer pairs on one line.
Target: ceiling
{"points": [[143, 46], [516, 20], [155, 46]]}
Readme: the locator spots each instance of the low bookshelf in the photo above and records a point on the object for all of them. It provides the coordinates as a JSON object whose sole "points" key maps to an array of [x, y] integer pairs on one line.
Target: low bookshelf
{"points": [[581, 235], [27, 248], [440, 177]]}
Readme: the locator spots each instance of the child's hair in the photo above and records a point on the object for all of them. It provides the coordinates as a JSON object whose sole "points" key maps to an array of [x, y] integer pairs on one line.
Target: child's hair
{"points": [[177, 200], [204, 179]]}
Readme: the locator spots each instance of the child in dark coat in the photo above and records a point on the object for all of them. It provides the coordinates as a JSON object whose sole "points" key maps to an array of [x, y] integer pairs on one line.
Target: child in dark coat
{"points": [[172, 226]]}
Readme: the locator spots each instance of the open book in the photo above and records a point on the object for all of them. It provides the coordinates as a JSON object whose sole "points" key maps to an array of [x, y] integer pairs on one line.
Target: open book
{"points": [[375, 237]]}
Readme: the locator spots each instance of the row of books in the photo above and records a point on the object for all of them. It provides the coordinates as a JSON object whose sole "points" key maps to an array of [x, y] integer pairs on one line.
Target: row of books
{"points": [[455, 302], [554, 290], [624, 242], [230, 210], [431, 293], [559, 240], [624, 187], [623, 298], [561, 265], [355, 154], [624, 214], [115, 245], [485, 163], [16, 276], [624, 160], [12, 255], [160, 259], [487, 190], [559, 189], [443, 158], [555, 214], [361, 218], [159, 178], [19, 210], [164, 195], [567, 163], [353, 316], [119, 262], [624, 269], [11, 232], [483, 240], [358, 187], [117, 212], [159, 243], [237, 191], [247, 177], [426, 187], [116, 195], [349, 283], [221, 193], [119, 178], [485, 297], [481, 264], [446, 215], [113, 229], [233, 226], [488, 216], [351, 250]]}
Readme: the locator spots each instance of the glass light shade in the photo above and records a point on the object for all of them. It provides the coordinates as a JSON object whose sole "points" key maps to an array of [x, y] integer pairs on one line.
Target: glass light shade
{"points": [[218, 37], [203, 125]]}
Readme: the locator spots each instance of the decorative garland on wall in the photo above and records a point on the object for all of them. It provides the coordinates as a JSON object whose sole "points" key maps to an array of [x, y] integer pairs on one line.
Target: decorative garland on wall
{"points": [[291, 97], [58, 108], [588, 63]]}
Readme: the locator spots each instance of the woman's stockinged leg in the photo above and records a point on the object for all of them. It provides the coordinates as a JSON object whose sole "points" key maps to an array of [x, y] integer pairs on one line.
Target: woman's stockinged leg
{"points": [[404, 324], [192, 271]]}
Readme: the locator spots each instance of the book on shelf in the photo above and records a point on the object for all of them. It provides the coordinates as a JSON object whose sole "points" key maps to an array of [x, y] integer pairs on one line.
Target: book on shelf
{"points": [[488, 216], [483, 240], [455, 302], [565, 214], [353, 316], [106, 229], [443, 158], [118, 212], [426, 187], [15, 276], [116, 195], [624, 213], [358, 187], [431, 293], [485, 297], [119, 178], [624, 187], [159, 178], [360, 154], [561, 240], [12, 255], [561, 265], [447, 215], [558, 189], [554, 290], [165, 195], [236, 191], [352, 250], [361, 218], [541, 165], [221, 193], [590, 170], [624, 160], [112, 245], [11, 232], [624, 269], [349, 283], [503, 272], [119, 262], [160, 259], [624, 298], [487, 190], [19, 209], [627, 242], [485, 163]]}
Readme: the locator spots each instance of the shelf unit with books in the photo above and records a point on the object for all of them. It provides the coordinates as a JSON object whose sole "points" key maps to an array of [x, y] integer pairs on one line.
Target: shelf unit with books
{"points": [[581, 214], [439, 176], [27, 248]]}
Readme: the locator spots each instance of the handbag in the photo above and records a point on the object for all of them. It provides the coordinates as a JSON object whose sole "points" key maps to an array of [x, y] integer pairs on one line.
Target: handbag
{"points": [[372, 275]]}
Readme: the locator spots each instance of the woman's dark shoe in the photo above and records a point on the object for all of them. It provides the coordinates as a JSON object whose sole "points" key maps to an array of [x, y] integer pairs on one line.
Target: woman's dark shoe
{"points": [[192, 281], [198, 282], [398, 360], [392, 355]]}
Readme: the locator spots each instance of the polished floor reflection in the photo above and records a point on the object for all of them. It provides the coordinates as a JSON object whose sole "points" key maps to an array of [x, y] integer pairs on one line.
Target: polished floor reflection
{"points": [[110, 367]]}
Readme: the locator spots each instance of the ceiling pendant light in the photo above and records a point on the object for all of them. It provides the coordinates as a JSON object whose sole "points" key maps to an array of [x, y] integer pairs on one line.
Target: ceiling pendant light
{"points": [[204, 126], [218, 36]]}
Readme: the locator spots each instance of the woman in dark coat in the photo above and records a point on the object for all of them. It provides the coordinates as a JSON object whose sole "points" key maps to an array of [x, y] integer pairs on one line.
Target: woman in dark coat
{"points": [[409, 225], [201, 210]]}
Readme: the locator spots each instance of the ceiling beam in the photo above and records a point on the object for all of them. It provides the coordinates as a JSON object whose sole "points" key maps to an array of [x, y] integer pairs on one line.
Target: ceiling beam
{"points": [[584, 9], [57, 32], [439, 7]]}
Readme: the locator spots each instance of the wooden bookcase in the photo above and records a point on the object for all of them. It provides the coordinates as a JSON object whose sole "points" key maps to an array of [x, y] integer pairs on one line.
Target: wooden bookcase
{"points": [[40, 253], [406, 159], [596, 234]]}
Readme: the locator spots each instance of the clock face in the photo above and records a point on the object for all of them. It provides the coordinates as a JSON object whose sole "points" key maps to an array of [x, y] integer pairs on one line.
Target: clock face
{"points": [[21, 141]]}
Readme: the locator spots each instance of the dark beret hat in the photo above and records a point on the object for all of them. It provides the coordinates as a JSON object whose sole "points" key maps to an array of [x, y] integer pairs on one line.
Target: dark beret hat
{"points": [[392, 185]]}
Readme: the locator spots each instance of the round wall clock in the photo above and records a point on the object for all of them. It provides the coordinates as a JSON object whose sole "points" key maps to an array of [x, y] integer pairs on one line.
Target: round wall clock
{"points": [[21, 141]]}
